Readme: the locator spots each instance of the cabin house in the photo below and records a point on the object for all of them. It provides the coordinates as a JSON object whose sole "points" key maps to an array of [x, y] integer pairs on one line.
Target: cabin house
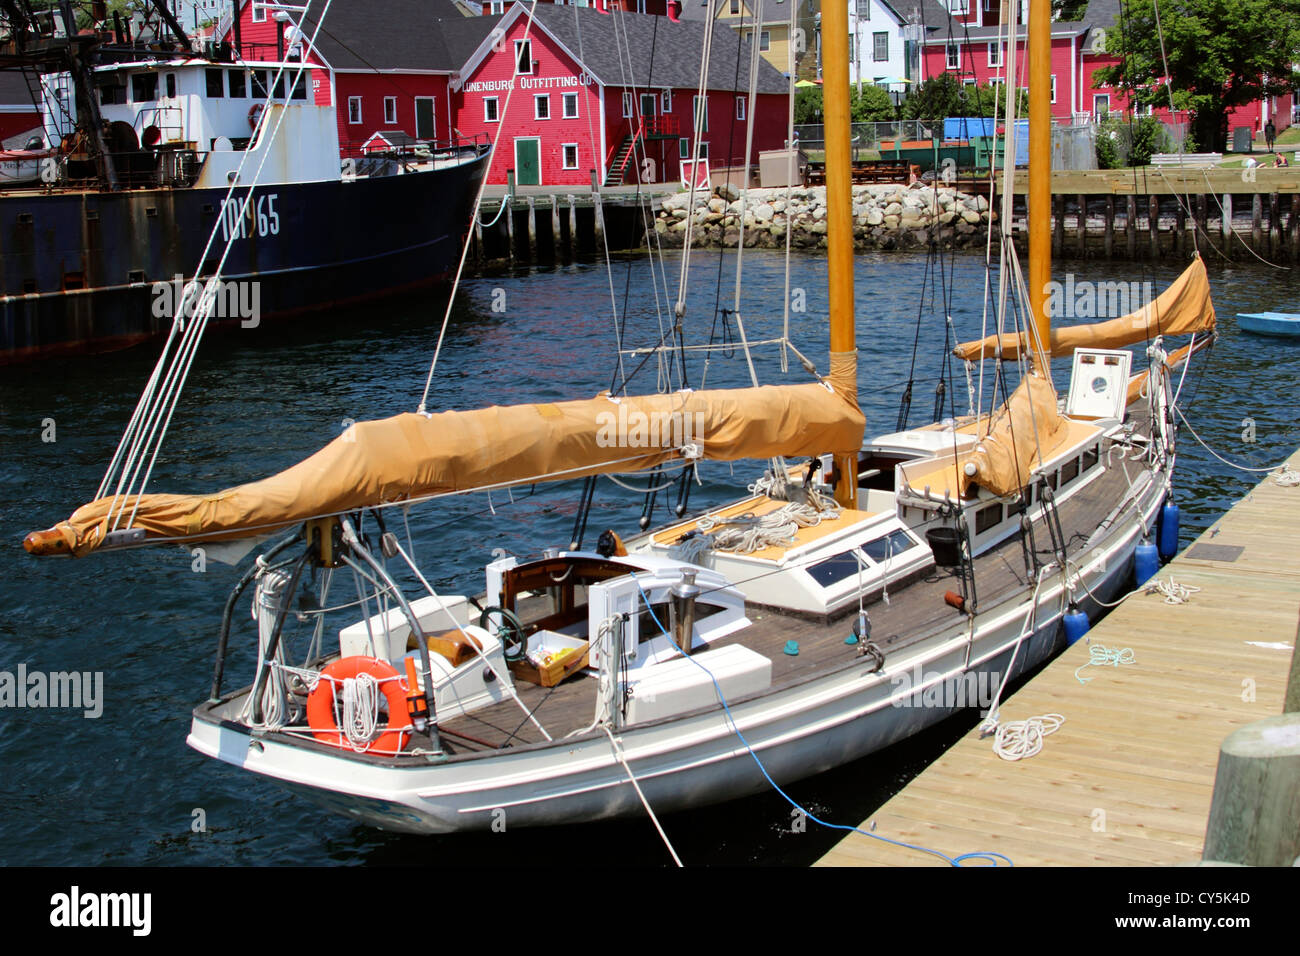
{"points": [[616, 96]]}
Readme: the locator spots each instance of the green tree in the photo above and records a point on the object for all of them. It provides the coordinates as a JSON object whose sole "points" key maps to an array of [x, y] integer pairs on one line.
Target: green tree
{"points": [[872, 105], [808, 105], [1221, 54], [983, 100], [935, 100]]}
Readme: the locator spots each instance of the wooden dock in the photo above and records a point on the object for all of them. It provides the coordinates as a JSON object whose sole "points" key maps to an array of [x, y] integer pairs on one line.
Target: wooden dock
{"points": [[1127, 780]]}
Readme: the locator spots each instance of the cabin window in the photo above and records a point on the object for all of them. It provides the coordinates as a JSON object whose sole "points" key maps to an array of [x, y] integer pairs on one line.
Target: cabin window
{"points": [[238, 84], [300, 87], [542, 106], [836, 569], [740, 107], [390, 110], [1090, 457], [570, 153], [260, 87], [354, 109], [144, 87], [1069, 471], [523, 56], [490, 109], [569, 103], [883, 548], [216, 81], [110, 95], [1050, 480], [987, 518], [171, 84]]}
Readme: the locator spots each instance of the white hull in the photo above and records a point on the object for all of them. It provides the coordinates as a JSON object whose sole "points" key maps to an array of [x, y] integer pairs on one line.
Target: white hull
{"points": [[694, 759]]}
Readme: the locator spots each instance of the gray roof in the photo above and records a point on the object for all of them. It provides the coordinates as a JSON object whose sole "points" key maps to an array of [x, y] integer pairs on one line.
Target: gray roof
{"points": [[663, 53], [773, 11], [397, 34], [1101, 14]]}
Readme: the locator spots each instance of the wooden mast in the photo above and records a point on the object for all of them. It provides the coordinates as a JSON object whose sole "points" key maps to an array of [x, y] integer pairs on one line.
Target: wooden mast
{"points": [[839, 225], [1040, 170]]}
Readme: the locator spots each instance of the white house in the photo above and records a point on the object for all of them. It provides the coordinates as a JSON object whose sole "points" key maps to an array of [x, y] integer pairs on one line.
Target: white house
{"points": [[885, 37]]}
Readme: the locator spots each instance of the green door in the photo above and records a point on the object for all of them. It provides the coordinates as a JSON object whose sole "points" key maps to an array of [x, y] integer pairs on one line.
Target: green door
{"points": [[425, 128], [528, 166]]}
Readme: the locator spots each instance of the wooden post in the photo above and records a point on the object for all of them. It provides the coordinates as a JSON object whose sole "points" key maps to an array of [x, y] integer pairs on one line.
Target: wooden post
{"points": [[1203, 215], [1180, 229], [598, 212], [1295, 227], [532, 230], [1153, 224], [1058, 224], [1081, 227], [478, 237], [555, 226], [509, 213], [573, 225], [1130, 226], [1274, 225], [1256, 221], [1226, 224], [1291, 703], [1255, 811], [1109, 242]]}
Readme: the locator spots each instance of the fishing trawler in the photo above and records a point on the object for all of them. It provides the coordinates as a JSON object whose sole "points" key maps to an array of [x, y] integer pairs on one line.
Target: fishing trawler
{"points": [[152, 144], [756, 643]]}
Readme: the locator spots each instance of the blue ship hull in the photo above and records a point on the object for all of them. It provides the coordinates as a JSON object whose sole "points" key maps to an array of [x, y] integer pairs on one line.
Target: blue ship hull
{"points": [[1269, 323]]}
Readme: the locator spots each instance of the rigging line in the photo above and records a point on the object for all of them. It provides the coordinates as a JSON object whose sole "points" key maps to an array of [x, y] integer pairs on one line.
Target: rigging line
{"points": [[194, 333], [699, 113], [421, 409], [1196, 225], [791, 171], [146, 407], [1169, 89], [1232, 230], [618, 753]]}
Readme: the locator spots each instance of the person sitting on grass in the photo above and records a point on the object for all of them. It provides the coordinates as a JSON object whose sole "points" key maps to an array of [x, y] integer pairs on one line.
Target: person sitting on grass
{"points": [[1279, 160]]}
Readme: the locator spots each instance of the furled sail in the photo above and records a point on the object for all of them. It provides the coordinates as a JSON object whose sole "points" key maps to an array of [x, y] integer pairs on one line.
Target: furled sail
{"points": [[1016, 438], [414, 456], [1182, 309]]}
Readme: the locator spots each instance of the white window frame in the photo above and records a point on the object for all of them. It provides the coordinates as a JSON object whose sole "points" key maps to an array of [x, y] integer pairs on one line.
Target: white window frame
{"points": [[496, 7], [256, 10], [995, 53], [952, 54], [496, 110], [354, 101], [390, 115], [520, 46], [666, 101], [695, 114], [684, 147], [862, 9], [564, 164], [764, 41], [735, 8], [565, 100], [875, 46], [1053, 87], [629, 105], [740, 108], [959, 7], [1095, 99], [538, 100]]}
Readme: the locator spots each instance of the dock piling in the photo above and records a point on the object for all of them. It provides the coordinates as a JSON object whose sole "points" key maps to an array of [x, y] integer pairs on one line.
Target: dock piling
{"points": [[1255, 811]]}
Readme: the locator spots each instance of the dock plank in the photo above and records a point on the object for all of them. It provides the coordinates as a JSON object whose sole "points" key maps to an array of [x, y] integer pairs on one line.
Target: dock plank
{"points": [[1140, 743]]}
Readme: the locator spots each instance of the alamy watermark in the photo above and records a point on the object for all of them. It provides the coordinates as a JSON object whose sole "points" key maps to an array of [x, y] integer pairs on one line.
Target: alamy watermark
{"points": [[632, 428], [1082, 299], [931, 689], [59, 689], [239, 299]]}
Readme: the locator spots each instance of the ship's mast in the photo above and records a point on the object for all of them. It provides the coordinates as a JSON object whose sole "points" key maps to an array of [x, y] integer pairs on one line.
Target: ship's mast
{"points": [[839, 224], [1040, 170]]}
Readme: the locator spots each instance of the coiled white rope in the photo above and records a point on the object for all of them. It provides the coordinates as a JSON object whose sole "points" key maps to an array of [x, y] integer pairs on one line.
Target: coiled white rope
{"points": [[1101, 656], [360, 710], [1174, 592], [1019, 739], [1288, 478]]}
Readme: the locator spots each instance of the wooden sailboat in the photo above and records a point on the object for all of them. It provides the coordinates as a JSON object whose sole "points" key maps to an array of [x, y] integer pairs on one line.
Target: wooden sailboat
{"points": [[763, 641]]}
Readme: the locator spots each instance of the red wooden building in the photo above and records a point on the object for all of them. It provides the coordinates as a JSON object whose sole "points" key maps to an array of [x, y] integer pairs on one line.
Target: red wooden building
{"points": [[614, 94]]}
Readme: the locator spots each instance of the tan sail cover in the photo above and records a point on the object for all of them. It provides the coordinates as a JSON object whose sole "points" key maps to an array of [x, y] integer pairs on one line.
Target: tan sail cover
{"points": [[1182, 309], [415, 456], [1009, 451]]}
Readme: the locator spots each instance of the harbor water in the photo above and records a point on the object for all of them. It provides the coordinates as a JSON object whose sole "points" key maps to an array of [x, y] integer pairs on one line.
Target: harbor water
{"points": [[120, 787]]}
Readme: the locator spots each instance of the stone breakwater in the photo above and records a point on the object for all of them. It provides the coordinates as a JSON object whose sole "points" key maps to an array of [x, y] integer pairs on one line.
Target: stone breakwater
{"points": [[884, 217]]}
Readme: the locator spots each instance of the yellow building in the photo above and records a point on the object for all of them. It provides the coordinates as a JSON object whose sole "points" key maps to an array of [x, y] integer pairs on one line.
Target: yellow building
{"points": [[773, 28]]}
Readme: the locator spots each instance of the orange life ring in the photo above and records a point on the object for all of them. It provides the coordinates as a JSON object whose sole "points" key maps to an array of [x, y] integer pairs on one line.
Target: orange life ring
{"points": [[254, 113], [323, 704]]}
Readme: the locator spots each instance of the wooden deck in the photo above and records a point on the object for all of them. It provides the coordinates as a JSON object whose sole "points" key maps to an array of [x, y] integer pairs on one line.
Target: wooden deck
{"points": [[1128, 778]]}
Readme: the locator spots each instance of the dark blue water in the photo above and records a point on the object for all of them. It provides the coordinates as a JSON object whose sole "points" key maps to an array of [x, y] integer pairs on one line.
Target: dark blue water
{"points": [[123, 788]]}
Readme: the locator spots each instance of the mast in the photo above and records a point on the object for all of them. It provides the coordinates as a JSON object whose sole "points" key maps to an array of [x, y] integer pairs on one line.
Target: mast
{"points": [[839, 226], [1040, 170]]}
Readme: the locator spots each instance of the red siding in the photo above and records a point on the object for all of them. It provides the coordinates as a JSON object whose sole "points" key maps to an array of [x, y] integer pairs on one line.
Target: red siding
{"points": [[373, 89]]}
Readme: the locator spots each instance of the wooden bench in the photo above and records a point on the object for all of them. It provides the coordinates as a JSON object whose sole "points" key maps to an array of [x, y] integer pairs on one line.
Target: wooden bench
{"points": [[1197, 160]]}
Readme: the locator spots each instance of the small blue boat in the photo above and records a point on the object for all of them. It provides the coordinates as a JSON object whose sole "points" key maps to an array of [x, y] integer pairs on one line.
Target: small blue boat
{"points": [[1270, 323]]}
